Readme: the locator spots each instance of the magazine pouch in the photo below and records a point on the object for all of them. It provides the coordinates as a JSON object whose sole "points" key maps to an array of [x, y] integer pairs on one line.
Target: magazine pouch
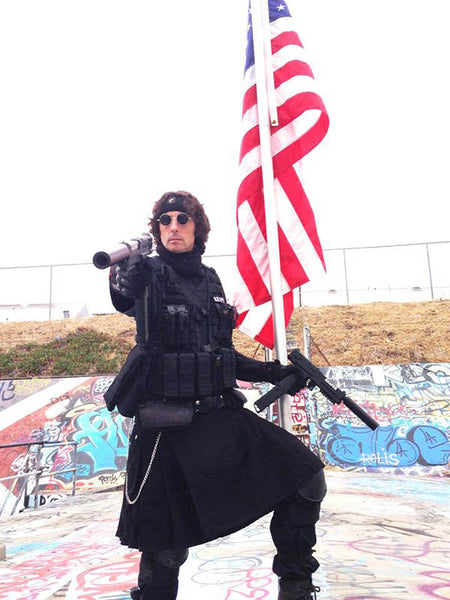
{"points": [[127, 390]]}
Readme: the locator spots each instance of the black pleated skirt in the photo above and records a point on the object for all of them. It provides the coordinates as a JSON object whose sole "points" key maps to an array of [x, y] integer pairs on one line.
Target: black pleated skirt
{"points": [[227, 469]]}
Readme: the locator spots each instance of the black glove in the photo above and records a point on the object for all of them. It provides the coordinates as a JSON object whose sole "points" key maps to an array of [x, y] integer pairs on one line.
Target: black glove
{"points": [[130, 281], [276, 372]]}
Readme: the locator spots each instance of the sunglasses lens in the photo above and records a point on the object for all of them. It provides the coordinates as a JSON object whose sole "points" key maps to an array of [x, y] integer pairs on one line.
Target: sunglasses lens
{"points": [[182, 218], [165, 220]]}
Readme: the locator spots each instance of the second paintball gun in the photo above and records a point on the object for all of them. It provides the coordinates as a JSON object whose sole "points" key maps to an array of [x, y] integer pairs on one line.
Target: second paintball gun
{"points": [[314, 378]]}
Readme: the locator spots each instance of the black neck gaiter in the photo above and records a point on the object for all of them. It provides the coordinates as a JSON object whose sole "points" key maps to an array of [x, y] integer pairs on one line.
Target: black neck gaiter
{"points": [[184, 263]]}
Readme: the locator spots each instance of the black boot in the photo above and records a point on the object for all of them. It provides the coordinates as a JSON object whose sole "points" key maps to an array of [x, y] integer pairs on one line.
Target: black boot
{"points": [[158, 574], [148, 591], [296, 589]]}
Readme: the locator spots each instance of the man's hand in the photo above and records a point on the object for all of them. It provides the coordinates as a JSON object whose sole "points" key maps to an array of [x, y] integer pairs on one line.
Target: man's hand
{"points": [[130, 281], [277, 372]]}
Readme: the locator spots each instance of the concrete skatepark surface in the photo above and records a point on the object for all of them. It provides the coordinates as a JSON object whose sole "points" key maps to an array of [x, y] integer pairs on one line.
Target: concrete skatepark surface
{"points": [[380, 536]]}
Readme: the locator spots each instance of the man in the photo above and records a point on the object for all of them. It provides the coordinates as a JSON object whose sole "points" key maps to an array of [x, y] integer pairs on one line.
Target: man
{"points": [[200, 465]]}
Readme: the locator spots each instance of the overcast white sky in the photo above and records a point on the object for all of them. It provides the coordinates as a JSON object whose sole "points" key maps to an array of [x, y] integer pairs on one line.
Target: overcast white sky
{"points": [[105, 105]]}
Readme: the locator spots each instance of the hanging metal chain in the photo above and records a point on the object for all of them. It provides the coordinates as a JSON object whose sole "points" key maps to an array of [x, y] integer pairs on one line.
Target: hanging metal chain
{"points": [[147, 473]]}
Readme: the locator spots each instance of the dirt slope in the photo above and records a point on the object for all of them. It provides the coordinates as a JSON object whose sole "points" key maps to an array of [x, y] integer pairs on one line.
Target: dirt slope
{"points": [[377, 333]]}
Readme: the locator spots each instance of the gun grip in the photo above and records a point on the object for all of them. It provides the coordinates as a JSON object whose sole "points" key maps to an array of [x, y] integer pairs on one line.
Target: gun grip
{"points": [[281, 388]]}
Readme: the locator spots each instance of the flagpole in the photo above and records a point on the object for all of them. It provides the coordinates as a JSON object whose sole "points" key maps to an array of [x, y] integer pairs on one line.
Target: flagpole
{"points": [[266, 115]]}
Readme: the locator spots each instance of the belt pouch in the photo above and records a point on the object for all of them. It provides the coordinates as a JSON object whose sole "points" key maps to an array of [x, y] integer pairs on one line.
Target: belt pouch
{"points": [[166, 414], [170, 375], [204, 373], [186, 375], [128, 388]]}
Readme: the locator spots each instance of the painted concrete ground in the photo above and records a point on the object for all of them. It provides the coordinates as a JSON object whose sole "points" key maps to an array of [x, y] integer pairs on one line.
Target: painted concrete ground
{"points": [[380, 537]]}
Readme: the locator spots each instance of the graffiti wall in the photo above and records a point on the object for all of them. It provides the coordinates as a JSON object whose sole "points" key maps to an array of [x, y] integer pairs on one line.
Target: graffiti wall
{"points": [[412, 404], [58, 410]]}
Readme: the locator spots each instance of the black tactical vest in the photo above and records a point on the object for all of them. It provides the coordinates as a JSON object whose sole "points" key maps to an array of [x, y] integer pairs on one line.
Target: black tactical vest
{"points": [[190, 334]]}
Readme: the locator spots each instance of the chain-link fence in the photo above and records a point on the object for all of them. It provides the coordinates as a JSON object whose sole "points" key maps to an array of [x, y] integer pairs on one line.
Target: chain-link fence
{"points": [[395, 273]]}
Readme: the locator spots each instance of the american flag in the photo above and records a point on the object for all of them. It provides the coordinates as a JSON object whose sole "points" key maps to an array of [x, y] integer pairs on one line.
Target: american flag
{"points": [[302, 124]]}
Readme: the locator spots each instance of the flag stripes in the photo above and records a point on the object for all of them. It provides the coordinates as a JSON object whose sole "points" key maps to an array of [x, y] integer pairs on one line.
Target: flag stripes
{"points": [[302, 124]]}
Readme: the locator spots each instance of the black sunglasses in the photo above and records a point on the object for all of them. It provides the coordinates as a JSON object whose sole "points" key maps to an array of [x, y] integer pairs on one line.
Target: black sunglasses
{"points": [[165, 219]]}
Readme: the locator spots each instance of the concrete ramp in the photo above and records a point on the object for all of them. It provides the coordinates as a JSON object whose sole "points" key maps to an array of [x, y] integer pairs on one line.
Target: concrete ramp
{"points": [[383, 537]]}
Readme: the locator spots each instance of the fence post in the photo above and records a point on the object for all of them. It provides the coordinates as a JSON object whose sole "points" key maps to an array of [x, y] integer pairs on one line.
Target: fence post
{"points": [[429, 271], [345, 274], [50, 294]]}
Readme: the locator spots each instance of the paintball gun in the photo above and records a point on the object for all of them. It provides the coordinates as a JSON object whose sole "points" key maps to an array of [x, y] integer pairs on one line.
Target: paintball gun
{"points": [[314, 378], [130, 254], [130, 251]]}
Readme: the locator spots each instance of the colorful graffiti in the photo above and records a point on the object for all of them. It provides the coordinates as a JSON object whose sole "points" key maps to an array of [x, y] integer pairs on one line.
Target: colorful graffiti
{"points": [[411, 403], [41, 572], [59, 410]]}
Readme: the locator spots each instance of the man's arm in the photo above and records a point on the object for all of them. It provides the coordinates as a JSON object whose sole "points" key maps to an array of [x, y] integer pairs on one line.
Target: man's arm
{"points": [[127, 283], [120, 302], [250, 369]]}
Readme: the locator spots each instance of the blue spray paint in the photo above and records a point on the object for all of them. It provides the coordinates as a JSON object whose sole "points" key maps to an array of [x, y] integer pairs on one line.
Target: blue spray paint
{"points": [[102, 440]]}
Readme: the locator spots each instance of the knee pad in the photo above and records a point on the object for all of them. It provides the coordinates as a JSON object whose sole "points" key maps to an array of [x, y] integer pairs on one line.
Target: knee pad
{"points": [[172, 559], [302, 507], [315, 489]]}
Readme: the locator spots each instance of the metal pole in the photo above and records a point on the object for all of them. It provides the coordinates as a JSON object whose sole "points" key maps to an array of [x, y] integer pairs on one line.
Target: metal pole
{"points": [[307, 341], [345, 274], [268, 357], [38, 475], [22, 492], [50, 294], [429, 271], [75, 468], [261, 42]]}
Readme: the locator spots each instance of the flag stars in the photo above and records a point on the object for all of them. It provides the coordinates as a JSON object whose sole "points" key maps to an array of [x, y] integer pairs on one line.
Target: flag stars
{"points": [[281, 7]]}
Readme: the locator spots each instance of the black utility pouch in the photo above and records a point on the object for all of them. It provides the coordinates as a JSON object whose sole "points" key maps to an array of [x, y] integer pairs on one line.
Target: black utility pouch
{"points": [[128, 388], [166, 414]]}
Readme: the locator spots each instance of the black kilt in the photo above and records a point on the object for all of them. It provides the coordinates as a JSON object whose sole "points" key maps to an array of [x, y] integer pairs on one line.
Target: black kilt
{"points": [[227, 469]]}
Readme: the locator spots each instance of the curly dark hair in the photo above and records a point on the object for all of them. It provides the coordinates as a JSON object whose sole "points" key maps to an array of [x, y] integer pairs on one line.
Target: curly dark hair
{"points": [[190, 205]]}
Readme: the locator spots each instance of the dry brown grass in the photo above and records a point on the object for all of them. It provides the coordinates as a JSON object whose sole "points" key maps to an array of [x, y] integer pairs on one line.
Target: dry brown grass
{"points": [[13, 335], [377, 333]]}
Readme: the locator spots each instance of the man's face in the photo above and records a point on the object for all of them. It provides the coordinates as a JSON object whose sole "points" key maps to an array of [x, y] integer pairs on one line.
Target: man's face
{"points": [[175, 236]]}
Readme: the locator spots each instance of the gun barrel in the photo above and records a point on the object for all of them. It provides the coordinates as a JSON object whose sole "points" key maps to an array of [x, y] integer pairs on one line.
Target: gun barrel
{"points": [[103, 259], [361, 413]]}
